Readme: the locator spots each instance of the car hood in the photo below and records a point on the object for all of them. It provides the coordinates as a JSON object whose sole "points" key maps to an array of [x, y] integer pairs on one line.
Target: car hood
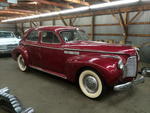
{"points": [[95, 46], [7, 41]]}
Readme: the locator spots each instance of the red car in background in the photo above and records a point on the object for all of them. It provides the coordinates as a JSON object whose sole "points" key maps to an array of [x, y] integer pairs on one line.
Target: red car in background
{"points": [[66, 52]]}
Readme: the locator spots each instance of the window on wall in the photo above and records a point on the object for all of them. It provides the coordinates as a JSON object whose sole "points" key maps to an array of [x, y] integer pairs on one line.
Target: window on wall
{"points": [[33, 36], [49, 37]]}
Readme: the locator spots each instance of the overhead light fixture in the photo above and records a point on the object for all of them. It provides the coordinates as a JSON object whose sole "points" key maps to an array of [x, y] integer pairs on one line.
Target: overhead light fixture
{"points": [[115, 4], [80, 9]]}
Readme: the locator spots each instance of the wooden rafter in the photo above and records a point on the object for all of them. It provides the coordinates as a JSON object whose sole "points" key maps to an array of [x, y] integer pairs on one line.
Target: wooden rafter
{"points": [[135, 16], [53, 3], [12, 12], [63, 20], [78, 2]]}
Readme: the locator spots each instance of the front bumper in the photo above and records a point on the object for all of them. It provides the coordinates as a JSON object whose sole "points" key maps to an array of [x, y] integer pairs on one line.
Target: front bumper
{"points": [[129, 84], [5, 51]]}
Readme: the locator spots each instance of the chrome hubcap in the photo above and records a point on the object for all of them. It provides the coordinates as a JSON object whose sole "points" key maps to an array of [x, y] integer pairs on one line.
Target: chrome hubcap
{"points": [[90, 83]]}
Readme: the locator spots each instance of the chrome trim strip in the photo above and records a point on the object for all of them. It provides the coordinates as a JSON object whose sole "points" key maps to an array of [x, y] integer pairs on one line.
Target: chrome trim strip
{"points": [[44, 47], [95, 51], [80, 50], [40, 69], [111, 56], [72, 52]]}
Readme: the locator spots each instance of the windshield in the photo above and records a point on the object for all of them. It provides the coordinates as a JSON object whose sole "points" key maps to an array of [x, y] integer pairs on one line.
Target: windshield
{"points": [[6, 35], [74, 35]]}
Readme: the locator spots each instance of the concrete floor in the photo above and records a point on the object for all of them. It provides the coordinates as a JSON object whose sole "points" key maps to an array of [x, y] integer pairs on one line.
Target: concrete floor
{"points": [[49, 94]]}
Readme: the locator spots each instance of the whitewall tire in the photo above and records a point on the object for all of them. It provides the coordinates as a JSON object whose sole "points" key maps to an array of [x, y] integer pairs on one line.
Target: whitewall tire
{"points": [[90, 84], [21, 63]]}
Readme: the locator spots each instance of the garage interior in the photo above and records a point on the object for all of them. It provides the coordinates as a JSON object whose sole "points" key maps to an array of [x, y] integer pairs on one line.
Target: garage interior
{"points": [[126, 24]]}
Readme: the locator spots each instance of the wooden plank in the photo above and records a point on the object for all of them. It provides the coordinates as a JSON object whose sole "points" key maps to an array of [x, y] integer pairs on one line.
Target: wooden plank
{"points": [[54, 3], [140, 35], [135, 16], [114, 24], [78, 2], [134, 35], [139, 23]]}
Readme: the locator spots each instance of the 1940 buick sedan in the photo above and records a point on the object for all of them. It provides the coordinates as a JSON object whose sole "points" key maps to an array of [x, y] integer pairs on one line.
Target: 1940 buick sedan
{"points": [[67, 53]]}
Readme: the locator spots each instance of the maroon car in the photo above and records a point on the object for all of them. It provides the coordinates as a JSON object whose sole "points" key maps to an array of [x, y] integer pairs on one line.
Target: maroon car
{"points": [[66, 52]]}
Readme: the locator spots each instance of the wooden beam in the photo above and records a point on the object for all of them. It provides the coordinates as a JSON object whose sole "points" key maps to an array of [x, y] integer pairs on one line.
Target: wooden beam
{"points": [[135, 16], [133, 35], [78, 2], [63, 20], [12, 12], [53, 3], [93, 27], [123, 24]]}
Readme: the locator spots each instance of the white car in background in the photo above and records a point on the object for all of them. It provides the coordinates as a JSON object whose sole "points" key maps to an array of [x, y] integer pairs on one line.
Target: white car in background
{"points": [[8, 41]]}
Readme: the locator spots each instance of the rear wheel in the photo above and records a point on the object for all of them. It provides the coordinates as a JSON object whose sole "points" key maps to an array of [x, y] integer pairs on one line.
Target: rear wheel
{"points": [[21, 63], [90, 84]]}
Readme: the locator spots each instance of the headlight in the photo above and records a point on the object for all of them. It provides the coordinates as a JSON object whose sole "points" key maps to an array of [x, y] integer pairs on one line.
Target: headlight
{"points": [[137, 51], [3, 47], [120, 64]]}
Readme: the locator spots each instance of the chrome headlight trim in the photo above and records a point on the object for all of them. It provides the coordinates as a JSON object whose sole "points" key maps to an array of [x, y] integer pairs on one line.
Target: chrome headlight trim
{"points": [[120, 64], [137, 52]]}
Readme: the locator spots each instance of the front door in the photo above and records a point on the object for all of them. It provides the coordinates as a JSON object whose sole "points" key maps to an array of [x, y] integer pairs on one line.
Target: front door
{"points": [[52, 52], [32, 44]]}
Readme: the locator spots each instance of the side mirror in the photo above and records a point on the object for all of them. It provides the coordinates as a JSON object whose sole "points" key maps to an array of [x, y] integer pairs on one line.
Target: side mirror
{"points": [[145, 71]]}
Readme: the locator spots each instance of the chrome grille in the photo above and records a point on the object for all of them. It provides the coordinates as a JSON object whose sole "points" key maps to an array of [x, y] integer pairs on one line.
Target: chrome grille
{"points": [[130, 68], [12, 46]]}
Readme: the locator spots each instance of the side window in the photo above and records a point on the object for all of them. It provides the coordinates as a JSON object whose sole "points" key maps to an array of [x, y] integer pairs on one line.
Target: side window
{"points": [[33, 36], [49, 37]]}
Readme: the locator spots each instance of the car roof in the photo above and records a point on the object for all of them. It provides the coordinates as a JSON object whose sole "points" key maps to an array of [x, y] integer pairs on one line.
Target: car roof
{"points": [[54, 28]]}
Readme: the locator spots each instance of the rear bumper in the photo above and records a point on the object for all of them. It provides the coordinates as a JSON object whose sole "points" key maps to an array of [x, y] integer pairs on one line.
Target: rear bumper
{"points": [[128, 85]]}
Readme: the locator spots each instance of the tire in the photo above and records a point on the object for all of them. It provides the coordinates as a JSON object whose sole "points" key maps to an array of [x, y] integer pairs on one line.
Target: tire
{"points": [[21, 63], [91, 84]]}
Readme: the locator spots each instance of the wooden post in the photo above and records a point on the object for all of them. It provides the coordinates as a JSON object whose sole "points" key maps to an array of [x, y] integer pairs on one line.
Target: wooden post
{"points": [[41, 23], [122, 22], [22, 28], [16, 28], [30, 24], [53, 22], [92, 27]]}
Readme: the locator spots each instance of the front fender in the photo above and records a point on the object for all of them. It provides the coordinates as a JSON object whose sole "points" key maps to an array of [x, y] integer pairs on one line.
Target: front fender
{"points": [[107, 67], [23, 51]]}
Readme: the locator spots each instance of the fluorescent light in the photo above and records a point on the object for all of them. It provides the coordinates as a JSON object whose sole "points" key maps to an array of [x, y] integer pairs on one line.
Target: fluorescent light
{"points": [[80, 9], [115, 4]]}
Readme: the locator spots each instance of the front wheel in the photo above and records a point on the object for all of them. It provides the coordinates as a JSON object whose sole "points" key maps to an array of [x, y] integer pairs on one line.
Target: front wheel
{"points": [[21, 63], [90, 84]]}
